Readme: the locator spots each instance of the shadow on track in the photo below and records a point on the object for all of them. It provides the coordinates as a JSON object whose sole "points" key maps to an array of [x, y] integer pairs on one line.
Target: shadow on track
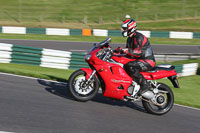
{"points": [[61, 89]]}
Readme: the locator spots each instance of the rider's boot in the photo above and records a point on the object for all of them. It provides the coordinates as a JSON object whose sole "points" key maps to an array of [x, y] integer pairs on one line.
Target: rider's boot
{"points": [[144, 85]]}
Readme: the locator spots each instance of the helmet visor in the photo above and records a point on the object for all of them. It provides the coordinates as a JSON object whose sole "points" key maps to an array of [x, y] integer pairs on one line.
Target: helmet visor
{"points": [[124, 29]]}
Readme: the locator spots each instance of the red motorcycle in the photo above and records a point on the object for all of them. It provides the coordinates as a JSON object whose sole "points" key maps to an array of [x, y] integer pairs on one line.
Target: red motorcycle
{"points": [[106, 71]]}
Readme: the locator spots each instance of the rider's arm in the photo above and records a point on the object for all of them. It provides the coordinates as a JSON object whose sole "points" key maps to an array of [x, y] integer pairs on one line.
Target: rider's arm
{"points": [[136, 50]]}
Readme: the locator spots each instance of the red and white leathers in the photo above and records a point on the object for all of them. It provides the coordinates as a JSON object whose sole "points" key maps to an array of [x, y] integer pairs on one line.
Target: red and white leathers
{"points": [[139, 48]]}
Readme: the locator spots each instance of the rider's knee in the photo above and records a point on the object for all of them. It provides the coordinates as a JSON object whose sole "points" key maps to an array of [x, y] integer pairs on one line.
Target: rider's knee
{"points": [[130, 68]]}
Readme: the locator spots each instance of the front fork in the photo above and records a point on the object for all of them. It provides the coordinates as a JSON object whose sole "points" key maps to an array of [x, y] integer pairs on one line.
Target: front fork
{"points": [[90, 77], [89, 73]]}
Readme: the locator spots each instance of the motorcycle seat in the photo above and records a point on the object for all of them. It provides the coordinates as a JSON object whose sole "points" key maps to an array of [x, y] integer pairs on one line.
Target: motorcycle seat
{"points": [[162, 67]]}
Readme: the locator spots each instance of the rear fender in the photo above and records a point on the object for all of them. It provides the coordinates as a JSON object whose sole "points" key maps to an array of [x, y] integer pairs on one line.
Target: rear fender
{"points": [[158, 74]]}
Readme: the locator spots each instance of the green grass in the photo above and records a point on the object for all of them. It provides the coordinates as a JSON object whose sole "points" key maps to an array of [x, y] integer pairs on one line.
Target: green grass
{"points": [[169, 25], [98, 39], [187, 94], [36, 71], [101, 13], [187, 61], [75, 10]]}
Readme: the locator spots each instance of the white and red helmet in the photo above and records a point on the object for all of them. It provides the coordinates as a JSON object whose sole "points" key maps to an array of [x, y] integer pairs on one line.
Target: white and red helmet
{"points": [[128, 27]]}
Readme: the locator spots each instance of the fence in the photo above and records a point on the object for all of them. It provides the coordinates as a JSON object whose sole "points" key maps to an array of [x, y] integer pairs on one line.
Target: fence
{"points": [[89, 19], [18, 54]]}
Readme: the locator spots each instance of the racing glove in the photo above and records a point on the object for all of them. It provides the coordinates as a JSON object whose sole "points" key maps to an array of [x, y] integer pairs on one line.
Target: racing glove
{"points": [[121, 51], [118, 50]]}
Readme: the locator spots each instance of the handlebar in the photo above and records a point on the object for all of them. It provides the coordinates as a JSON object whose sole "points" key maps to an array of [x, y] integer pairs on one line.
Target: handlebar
{"points": [[109, 53]]}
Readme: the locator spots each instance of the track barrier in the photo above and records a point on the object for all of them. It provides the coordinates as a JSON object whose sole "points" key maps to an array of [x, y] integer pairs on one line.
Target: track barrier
{"points": [[18, 54], [95, 32]]}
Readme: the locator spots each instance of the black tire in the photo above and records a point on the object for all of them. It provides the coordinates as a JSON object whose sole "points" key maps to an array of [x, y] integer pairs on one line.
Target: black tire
{"points": [[72, 85], [165, 108]]}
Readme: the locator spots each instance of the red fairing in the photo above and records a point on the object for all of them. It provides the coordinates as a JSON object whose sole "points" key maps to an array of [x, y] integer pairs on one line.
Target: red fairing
{"points": [[115, 78], [158, 74], [116, 81], [122, 59]]}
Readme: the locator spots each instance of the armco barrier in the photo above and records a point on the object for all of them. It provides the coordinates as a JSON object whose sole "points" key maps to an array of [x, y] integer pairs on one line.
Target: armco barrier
{"points": [[18, 54], [95, 32], [175, 57]]}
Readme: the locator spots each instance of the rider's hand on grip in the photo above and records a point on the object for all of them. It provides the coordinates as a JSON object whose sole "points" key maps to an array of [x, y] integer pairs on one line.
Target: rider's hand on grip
{"points": [[125, 51], [118, 50]]}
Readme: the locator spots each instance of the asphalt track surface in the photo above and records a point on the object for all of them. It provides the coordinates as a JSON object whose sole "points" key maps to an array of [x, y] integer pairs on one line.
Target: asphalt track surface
{"points": [[84, 47], [37, 106]]}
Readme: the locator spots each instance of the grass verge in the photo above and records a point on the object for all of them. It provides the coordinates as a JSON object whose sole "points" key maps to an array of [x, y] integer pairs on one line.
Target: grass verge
{"points": [[188, 93], [98, 39], [36, 71]]}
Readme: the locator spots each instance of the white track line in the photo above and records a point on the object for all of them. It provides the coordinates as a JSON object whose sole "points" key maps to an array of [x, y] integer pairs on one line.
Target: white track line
{"points": [[31, 78], [5, 132], [66, 83], [187, 107]]}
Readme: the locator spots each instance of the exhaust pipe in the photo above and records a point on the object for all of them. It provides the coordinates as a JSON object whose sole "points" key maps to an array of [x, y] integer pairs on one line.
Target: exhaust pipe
{"points": [[148, 94]]}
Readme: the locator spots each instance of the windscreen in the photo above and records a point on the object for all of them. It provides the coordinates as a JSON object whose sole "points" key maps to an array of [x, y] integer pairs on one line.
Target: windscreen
{"points": [[101, 44]]}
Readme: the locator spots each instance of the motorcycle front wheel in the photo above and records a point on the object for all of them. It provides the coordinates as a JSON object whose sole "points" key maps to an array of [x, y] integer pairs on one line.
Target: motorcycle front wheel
{"points": [[164, 101], [80, 88]]}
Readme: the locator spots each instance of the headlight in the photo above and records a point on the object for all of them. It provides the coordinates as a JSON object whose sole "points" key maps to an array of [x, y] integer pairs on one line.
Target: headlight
{"points": [[88, 57]]}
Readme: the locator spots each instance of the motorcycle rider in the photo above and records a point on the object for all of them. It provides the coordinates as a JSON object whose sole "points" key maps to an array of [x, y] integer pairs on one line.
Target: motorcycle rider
{"points": [[138, 47]]}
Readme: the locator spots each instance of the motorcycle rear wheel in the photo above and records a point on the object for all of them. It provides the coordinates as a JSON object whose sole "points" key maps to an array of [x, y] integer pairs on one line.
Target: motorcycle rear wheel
{"points": [[80, 89], [166, 107]]}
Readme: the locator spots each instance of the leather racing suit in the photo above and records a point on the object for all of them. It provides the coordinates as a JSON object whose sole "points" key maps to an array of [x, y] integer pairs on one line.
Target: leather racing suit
{"points": [[140, 48]]}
